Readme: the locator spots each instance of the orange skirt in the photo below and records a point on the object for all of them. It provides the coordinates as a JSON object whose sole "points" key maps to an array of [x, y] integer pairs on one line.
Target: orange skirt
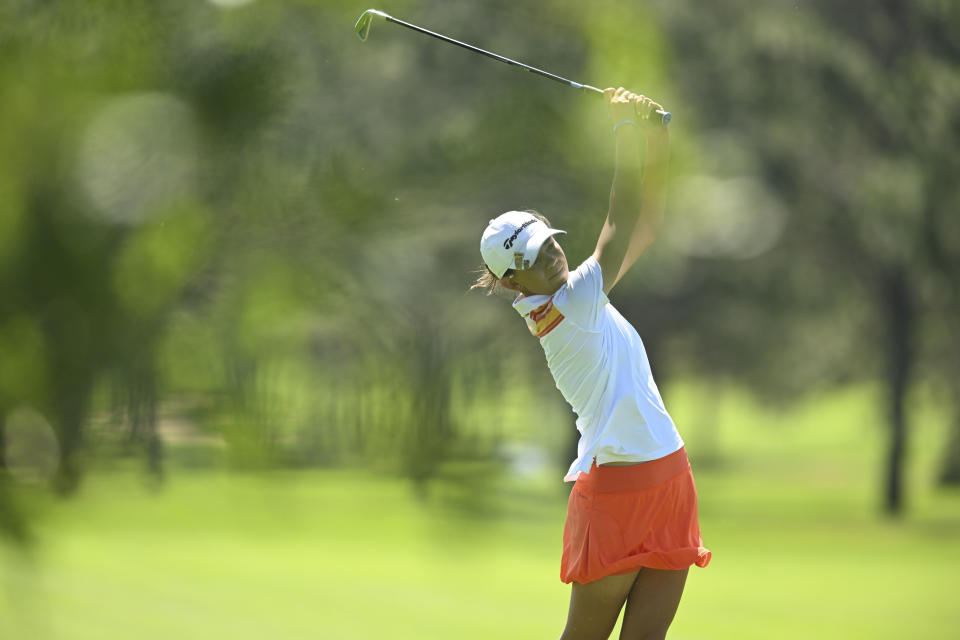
{"points": [[621, 519]]}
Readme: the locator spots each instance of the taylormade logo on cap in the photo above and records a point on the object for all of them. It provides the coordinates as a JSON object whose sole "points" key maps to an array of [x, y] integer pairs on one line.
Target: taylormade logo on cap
{"points": [[512, 240], [508, 243]]}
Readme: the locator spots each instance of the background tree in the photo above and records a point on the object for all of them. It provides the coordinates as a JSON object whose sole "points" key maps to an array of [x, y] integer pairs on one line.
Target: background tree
{"points": [[845, 112]]}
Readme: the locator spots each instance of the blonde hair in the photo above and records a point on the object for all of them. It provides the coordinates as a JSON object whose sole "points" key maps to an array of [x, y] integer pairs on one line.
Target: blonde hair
{"points": [[486, 279]]}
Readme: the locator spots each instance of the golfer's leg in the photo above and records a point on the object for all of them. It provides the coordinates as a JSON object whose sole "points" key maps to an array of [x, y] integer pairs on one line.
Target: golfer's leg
{"points": [[594, 607], [652, 603]]}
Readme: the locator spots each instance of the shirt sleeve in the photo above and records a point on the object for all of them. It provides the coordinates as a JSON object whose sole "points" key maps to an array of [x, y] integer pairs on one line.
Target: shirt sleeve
{"points": [[582, 298]]}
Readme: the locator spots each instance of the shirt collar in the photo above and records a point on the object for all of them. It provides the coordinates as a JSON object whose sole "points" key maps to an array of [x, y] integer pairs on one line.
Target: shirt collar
{"points": [[525, 304]]}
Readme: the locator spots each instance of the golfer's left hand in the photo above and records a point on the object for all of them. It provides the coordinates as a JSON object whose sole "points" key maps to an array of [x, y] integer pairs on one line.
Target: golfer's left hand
{"points": [[620, 104]]}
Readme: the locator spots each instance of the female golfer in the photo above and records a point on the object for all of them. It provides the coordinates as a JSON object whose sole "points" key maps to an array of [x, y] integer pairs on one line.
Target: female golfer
{"points": [[631, 532]]}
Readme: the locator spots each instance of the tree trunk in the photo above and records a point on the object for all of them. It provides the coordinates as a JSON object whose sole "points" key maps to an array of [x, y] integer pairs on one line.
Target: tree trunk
{"points": [[899, 311], [3, 440], [950, 473], [141, 383], [431, 431]]}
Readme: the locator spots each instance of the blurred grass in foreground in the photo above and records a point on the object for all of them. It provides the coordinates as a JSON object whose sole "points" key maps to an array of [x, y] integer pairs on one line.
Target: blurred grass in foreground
{"points": [[788, 510]]}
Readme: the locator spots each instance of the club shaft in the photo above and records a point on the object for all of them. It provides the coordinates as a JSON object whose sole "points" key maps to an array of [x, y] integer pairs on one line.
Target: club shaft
{"points": [[489, 54], [664, 115]]}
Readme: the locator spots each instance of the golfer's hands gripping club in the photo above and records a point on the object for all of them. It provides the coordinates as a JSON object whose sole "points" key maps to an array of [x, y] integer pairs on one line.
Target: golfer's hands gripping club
{"points": [[625, 105]]}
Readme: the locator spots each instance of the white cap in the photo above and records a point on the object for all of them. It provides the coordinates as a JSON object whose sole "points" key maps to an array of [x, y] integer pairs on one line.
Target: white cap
{"points": [[512, 240]]}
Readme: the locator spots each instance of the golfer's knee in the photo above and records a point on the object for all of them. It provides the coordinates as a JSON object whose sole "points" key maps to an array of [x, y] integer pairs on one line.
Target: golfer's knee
{"points": [[595, 631], [655, 630], [585, 634]]}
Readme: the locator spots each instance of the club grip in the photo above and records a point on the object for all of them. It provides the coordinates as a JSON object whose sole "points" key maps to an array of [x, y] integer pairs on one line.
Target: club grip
{"points": [[665, 116], [653, 116]]}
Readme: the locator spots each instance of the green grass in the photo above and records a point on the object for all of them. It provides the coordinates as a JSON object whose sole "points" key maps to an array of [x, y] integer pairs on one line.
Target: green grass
{"points": [[789, 509]]}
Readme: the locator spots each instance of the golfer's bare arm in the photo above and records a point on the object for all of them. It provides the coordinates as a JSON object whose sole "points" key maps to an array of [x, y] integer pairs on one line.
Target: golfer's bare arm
{"points": [[653, 198], [636, 200]]}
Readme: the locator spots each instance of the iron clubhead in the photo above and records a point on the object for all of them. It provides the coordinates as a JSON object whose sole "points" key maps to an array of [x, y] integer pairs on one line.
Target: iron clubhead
{"points": [[364, 22]]}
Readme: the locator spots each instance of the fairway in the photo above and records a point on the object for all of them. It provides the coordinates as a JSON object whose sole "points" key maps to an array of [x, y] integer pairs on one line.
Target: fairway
{"points": [[799, 552]]}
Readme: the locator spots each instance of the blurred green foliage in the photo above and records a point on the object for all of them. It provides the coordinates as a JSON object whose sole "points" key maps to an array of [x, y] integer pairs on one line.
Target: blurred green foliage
{"points": [[238, 235]]}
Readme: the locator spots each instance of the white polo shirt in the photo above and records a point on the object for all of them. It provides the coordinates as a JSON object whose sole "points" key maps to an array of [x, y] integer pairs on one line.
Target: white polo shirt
{"points": [[600, 366]]}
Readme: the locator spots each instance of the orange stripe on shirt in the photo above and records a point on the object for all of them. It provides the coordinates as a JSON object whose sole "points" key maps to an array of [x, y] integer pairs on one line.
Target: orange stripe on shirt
{"points": [[545, 319]]}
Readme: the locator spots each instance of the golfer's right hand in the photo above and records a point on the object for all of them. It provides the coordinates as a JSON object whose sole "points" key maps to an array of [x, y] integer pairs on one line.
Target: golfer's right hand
{"points": [[647, 116]]}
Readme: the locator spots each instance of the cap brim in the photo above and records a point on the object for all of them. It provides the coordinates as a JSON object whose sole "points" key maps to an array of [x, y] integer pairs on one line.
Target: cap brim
{"points": [[536, 242]]}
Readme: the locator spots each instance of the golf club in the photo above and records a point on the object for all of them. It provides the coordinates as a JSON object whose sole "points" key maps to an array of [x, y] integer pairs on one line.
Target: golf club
{"points": [[363, 30]]}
